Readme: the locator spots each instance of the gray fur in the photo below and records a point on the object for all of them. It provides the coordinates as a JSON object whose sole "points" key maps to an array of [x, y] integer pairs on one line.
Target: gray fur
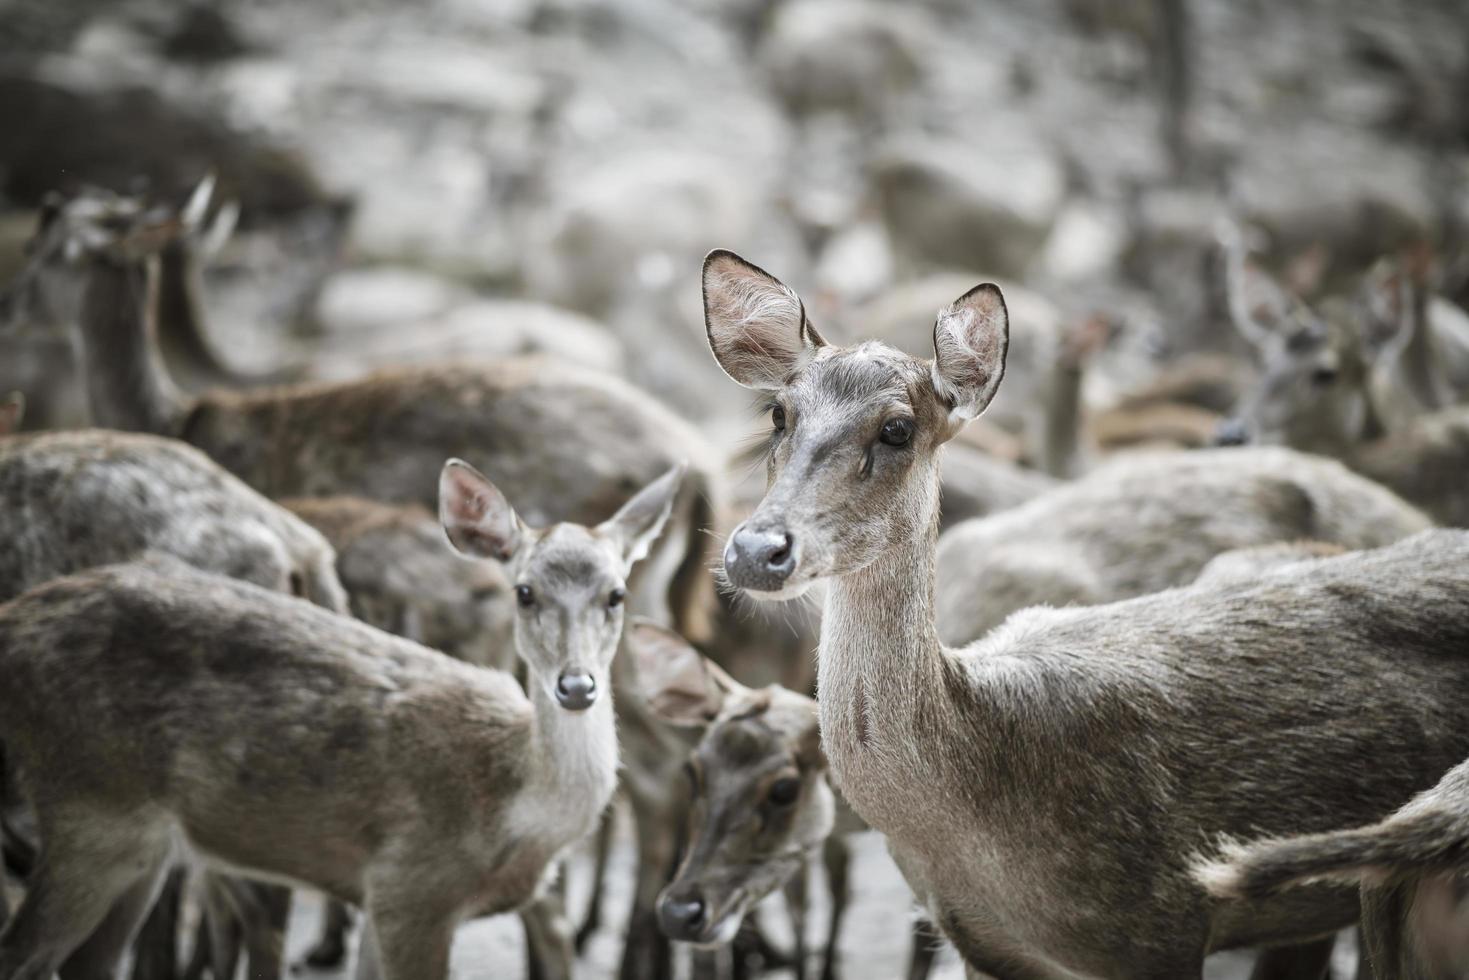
{"points": [[1150, 522], [1410, 868], [74, 500], [1045, 790], [303, 747]]}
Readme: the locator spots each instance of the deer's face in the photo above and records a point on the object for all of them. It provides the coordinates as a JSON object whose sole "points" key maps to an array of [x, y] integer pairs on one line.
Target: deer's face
{"points": [[852, 456], [761, 807], [569, 581], [761, 803]]}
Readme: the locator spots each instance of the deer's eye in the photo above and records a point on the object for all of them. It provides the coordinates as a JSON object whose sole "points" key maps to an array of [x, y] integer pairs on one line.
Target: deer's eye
{"points": [[525, 596], [615, 597], [897, 432], [784, 792], [778, 418], [1323, 375]]}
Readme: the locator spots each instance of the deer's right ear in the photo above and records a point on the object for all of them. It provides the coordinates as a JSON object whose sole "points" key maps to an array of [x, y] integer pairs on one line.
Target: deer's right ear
{"points": [[476, 516], [970, 341], [756, 324], [12, 411], [679, 683]]}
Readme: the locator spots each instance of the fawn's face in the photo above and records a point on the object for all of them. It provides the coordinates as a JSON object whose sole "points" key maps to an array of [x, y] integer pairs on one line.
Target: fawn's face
{"points": [[852, 457], [569, 580], [761, 803]]}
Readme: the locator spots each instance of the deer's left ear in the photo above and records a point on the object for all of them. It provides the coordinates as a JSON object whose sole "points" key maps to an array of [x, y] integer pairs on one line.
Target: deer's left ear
{"points": [[970, 340], [639, 522], [680, 684]]}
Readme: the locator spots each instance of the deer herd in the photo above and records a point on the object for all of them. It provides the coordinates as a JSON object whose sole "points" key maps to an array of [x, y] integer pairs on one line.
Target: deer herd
{"points": [[403, 639]]}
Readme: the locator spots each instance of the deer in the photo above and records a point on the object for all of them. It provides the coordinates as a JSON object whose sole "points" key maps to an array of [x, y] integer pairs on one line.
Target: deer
{"points": [[294, 744], [1363, 381], [1146, 522], [569, 442], [90, 497], [764, 808], [1045, 790], [1408, 867]]}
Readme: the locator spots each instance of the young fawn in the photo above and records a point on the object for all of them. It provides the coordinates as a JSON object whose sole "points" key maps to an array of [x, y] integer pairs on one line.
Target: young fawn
{"points": [[1046, 790], [1150, 522], [762, 806], [297, 745], [1409, 867]]}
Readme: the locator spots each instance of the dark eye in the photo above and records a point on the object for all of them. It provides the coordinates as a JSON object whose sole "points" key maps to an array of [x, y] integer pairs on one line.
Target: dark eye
{"points": [[897, 432], [614, 599], [785, 791], [1323, 376], [778, 418], [525, 596]]}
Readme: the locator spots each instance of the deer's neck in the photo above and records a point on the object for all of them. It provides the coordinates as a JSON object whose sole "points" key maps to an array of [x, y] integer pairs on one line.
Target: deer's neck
{"points": [[574, 761], [881, 669], [126, 382], [1061, 447]]}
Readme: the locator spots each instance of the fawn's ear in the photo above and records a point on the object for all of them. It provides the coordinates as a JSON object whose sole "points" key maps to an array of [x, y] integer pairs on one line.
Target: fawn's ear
{"points": [[756, 324], [637, 524], [1385, 311], [970, 340], [12, 411], [476, 516], [681, 685]]}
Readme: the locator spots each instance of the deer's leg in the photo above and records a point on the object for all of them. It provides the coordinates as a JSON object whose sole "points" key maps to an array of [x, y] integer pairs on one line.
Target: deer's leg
{"points": [[331, 943], [86, 868], [223, 927], [409, 939], [266, 910], [548, 942], [796, 903], [836, 858], [647, 954], [1305, 961], [926, 944], [155, 953], [593, 919], [100, 955]]}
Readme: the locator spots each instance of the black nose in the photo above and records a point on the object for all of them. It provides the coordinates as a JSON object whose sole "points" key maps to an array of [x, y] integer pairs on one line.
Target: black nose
{"points": [[1231, 432], [682, 916], [576, 692], [760, 560]]}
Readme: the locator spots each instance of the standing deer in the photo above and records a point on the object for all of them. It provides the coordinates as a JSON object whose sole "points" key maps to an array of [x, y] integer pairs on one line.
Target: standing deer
{"points": [[1410, 869], [1045, 790], [297, 745], [572, 442], [762, 804], [75, 500]]}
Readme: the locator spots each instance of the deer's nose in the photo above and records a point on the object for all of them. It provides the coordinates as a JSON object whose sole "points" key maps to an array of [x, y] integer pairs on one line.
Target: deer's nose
{"points": [[1231, 432], [761, 560], [682, 916], [576, 692]]}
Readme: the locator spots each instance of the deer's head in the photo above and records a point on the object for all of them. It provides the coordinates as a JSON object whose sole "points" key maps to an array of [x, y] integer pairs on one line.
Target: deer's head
{"points": [[570, 580], [761, 803], [854, 431]]}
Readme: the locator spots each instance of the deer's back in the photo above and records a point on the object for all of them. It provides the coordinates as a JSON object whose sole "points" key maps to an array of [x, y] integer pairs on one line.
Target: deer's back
{"points": [[74, 500], [151, 685], [571, 443], [1150, 523]]}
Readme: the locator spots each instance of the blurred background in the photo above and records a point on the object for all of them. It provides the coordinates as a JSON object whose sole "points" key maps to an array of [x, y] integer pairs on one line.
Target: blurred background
{"points": [[407, 181]]}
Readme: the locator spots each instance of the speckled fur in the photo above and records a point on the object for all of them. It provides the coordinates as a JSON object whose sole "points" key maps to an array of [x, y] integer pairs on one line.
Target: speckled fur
{"points": [[1045, 790], [74, 500], [1147, 523]]}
